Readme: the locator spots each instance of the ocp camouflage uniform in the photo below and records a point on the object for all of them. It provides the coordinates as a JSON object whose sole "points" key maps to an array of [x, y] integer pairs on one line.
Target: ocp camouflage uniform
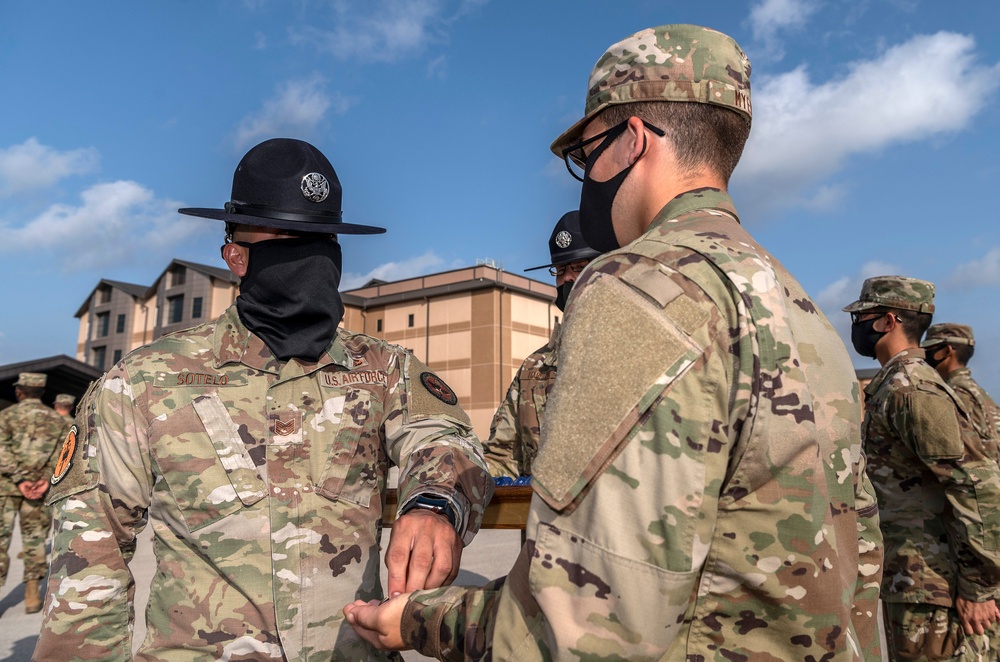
{"points": [[939, 497], [30, 433], [264, 483], [700, 488], [984, 414], [516, 426]]}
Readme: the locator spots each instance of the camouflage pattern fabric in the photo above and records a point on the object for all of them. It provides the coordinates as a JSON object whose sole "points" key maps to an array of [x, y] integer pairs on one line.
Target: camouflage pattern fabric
{"points": [[264, 482], [984, 414], [930, 633], [516, 426], [30, 433], [894, 292], [938, 490], [684, 63], [709, 503]]}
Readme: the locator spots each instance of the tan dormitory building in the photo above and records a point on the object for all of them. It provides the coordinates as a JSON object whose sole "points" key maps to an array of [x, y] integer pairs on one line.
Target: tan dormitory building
{"points": [[473, 326]]}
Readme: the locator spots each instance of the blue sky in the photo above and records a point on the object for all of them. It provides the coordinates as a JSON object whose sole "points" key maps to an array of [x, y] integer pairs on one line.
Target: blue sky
{"points": [[873, 150]]}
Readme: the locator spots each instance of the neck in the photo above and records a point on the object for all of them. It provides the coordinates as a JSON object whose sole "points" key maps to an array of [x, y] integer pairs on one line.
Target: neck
{"points": [[892, 344]]}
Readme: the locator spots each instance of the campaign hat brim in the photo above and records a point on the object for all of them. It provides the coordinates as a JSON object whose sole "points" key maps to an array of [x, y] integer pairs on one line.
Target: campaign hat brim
{"points": [[302, 223], [579, 254]]}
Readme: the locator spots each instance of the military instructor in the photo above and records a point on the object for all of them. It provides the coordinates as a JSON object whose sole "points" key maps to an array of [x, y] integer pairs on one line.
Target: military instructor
{"points": [[258, 445], [700, 491]]}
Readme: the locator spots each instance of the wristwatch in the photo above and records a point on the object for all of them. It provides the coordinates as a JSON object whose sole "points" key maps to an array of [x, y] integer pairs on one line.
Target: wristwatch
{"points": [[435, 504]]}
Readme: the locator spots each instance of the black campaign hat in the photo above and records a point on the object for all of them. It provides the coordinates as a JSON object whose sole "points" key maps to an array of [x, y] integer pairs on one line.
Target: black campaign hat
{"points": [[286, 184], [566, 243]]}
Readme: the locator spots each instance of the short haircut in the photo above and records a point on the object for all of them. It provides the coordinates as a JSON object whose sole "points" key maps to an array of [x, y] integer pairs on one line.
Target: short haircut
{"points": [[914, 324], [31, 391], [963, 353], [702, 134]]}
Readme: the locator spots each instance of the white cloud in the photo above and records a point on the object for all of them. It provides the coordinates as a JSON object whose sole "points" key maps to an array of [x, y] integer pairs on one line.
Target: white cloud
{"points": [[978, 273], [32, 165], [387, 32], [297, 109], [390, 271], [769, 17], [804, 132], [115, 223]]}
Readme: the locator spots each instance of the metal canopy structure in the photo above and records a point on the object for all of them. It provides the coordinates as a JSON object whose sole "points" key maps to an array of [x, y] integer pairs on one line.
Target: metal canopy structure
{"points": [[65, 375]]}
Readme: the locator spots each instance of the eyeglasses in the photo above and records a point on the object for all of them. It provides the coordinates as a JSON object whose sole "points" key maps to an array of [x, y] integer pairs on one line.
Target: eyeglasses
{"points": [[577, 161], [856, 318], [563, 268]]}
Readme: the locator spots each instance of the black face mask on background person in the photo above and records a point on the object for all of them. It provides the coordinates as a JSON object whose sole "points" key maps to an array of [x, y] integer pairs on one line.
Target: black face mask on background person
{"points": [[929, 353], [864, 337], [597, 199], [562, 295], [289, 295]]}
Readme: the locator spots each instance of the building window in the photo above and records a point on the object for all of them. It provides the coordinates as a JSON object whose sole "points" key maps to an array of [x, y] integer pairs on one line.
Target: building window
{"points": [[177, 276], [102, 324], [99, 354], [175, 309], [409, 321], [120, 324], [118, 356], [378, 326], [556, 318], [104, 294], [196, 308]]}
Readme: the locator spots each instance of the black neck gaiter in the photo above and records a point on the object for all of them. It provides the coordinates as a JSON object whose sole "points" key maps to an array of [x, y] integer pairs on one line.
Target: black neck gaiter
{"points": [[289, 295]]}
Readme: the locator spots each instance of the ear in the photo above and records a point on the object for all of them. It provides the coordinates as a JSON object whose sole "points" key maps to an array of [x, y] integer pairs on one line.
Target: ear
{"points": [[236, 258], [637, 139]]}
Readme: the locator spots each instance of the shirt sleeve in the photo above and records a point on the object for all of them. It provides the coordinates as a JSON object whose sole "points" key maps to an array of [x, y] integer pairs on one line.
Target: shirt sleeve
{"points": [[99, 507], [503, 450], [940, 434]]}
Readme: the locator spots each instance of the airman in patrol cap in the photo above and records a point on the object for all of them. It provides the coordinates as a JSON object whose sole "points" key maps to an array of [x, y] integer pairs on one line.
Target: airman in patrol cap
{"points": [[513, 441], [688, 416], [259, 444], [30, 433], [942, 561], [64, 406]]}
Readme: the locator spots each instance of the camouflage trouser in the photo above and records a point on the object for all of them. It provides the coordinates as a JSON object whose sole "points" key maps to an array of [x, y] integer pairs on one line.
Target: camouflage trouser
{"points": [[931, 632], [35, 521]]}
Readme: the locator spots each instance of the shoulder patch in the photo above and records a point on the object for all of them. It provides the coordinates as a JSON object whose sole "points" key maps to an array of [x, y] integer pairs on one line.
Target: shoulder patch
{"points": [[65, 460], [429, 395], [438, 388]]}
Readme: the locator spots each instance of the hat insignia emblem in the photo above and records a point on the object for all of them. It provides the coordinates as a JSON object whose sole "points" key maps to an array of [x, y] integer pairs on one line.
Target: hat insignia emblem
{"points": [[564, 239], [315, 187]]}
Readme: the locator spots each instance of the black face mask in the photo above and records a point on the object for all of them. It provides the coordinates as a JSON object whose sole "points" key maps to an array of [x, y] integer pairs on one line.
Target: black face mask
{"points": [[597, 199], [562, 295], [864, 337], [289, 295], [929, 356]]}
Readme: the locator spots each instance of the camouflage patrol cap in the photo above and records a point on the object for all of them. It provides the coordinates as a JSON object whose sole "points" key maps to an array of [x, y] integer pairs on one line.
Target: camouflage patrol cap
{"points": [[65, 399], [667, 63], [953, 334], [895, 292], [31, 379]]}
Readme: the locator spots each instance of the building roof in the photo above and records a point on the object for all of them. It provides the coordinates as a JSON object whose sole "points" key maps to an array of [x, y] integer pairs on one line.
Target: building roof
{"points": [[379, 293], [65, 375], [133, 290], [210, 271]]}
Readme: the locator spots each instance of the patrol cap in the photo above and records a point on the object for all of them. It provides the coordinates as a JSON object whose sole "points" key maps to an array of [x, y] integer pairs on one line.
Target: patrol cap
{"points": [[65, 399], [953, 334], [566, 243], [31, 379], [286, 184], [667, 63], [895, 292]]}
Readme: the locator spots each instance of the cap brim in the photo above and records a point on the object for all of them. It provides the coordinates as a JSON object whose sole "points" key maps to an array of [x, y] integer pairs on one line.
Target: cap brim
{"points": [[280, 224], [860, 305]]}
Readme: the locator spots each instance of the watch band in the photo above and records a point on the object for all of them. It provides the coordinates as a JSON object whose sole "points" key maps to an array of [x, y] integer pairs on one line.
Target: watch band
{"points": [[435, 504]]}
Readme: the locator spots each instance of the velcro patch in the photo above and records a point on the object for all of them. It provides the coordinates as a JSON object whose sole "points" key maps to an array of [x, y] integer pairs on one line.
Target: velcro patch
{"points": [[612, 329], [653, 282], [935, 429], [65, 459], [429, 395]]}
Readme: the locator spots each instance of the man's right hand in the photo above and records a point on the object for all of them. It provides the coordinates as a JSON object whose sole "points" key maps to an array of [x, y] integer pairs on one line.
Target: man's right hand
{"points": [[976, 617], [26, 488]]}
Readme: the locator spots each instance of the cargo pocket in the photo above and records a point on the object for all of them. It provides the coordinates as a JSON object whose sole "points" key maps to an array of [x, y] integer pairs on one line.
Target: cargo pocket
{"points": [[599, 596], [208, 480], [351, 469], [987, 483]]}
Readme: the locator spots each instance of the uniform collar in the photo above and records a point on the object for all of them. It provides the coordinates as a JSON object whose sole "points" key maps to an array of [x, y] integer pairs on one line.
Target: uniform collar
{"points": [[235, 343], [701, 198], [911, 353]]}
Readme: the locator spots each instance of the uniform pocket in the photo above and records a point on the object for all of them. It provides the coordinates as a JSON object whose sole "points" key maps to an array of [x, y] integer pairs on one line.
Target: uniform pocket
{"points": [[987, 483], [351, 469], [209, 471], [596, 595]]}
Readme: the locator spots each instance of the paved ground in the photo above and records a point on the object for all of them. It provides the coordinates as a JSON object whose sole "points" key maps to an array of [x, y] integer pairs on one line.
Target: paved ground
{"points": [[490, 555]]}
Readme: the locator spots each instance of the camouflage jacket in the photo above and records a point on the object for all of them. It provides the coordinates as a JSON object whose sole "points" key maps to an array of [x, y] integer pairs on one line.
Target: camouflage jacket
{"points": [[30, 434], [516, 426], [265, 484], [938, 491], [700, 491], [983, 411]]}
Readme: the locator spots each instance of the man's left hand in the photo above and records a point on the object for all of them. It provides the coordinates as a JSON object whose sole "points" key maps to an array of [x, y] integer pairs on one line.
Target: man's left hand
{"points": [[38, 489], [424, 552], [976, 617], [378, 623]]}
